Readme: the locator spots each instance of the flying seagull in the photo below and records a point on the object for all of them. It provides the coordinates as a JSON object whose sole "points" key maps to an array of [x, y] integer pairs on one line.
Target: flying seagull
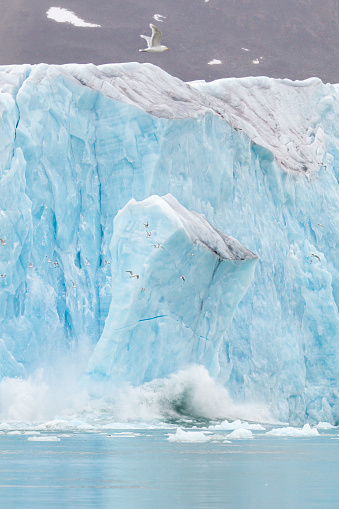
{"points": [[106, 262], [153, 42], [48, 259], [316, 256], [87, 262], [2, 275], [73, 285], [55, 264], [183, 279], [132, 275], [157, 245], [30, 265], [148, 234], [3, 241], [146, 225]]}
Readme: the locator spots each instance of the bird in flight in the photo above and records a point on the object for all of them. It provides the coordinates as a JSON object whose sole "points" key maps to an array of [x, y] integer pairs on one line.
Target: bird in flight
{"points": [[30, 265], [146, 225], [316, 256], [87, 262], [73, 285], [3, 241], [157, 245], [183, 279], [133, 275], [154, 42], [148, 234], [48, 259], [55, 264], [106, 262], [2, 275]]}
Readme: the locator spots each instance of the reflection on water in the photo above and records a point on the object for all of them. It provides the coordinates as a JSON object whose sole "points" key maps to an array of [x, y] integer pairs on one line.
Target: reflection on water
{"points": [[144, 470]]}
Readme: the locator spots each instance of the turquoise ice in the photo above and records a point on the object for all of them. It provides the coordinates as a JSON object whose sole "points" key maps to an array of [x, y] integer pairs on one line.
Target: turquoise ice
{"points": [[258, 157]]}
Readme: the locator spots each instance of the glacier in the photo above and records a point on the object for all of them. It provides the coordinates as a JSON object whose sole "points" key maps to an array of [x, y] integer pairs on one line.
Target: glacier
{"points": [[257, 157]]}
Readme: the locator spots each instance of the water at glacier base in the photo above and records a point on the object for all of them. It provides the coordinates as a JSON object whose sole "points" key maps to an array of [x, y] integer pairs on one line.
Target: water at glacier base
{"points": [[141, 468]]}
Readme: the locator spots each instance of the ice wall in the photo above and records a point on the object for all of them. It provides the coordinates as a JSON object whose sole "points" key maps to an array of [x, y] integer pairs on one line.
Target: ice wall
{"points": [[258, 157]]}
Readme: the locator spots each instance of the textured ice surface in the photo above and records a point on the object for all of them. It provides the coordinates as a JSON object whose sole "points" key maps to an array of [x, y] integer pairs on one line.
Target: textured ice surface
{"points": [[177, 283], [305, 431], [258, 157]]}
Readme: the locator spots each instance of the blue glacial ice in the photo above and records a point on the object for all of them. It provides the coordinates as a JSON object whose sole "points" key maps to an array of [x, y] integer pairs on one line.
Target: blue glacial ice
{"points": [[257, 157], [174, 307]]}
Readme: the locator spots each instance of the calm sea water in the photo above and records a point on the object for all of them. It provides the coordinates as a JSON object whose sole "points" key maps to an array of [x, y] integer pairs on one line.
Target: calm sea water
{"points": [[142, 469]]}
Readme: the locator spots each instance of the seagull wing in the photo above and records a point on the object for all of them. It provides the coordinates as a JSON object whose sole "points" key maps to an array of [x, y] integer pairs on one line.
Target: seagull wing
{"points": [[129, 271], [156, 36], [147, 39]]}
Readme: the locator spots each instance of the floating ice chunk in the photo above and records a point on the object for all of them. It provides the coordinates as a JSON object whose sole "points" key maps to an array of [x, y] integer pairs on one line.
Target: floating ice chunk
{"points": [[189, 436], [45, 438], [240, 434], [289, 431], [64, 424], [215, 62], [237, 424], [256, 61], [65, 16], [324, 425]]}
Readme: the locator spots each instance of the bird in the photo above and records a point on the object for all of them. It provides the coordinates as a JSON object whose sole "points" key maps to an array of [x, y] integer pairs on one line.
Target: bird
{"points": [[106, 262], [146, 225], [142, 289], [148, 234], [322, 226], [87, 262], [30, 265], [183, 279], [55, 264], [157, 245], [132, 275], [73, 285], [237, 129], [3, 241], [191, 254], [316, 256], [2, 275], [48, 259], [153, 42]]}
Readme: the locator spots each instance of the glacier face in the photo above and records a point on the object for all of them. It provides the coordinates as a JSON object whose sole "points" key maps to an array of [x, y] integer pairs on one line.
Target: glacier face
{"points": [[258, 157]]}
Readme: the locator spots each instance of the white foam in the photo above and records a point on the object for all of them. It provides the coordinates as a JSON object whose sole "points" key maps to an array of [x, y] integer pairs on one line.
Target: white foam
{"points": [[43, 403], [189, 436], [289, 431], [61, 15]]}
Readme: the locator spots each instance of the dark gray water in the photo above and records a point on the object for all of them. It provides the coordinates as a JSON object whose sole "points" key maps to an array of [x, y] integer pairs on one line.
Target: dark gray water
{"points": [[293, 39], [144, 470]]}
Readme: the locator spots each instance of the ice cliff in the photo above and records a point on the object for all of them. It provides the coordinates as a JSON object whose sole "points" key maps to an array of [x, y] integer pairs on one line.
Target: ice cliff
{"points": [[258, 157]]}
